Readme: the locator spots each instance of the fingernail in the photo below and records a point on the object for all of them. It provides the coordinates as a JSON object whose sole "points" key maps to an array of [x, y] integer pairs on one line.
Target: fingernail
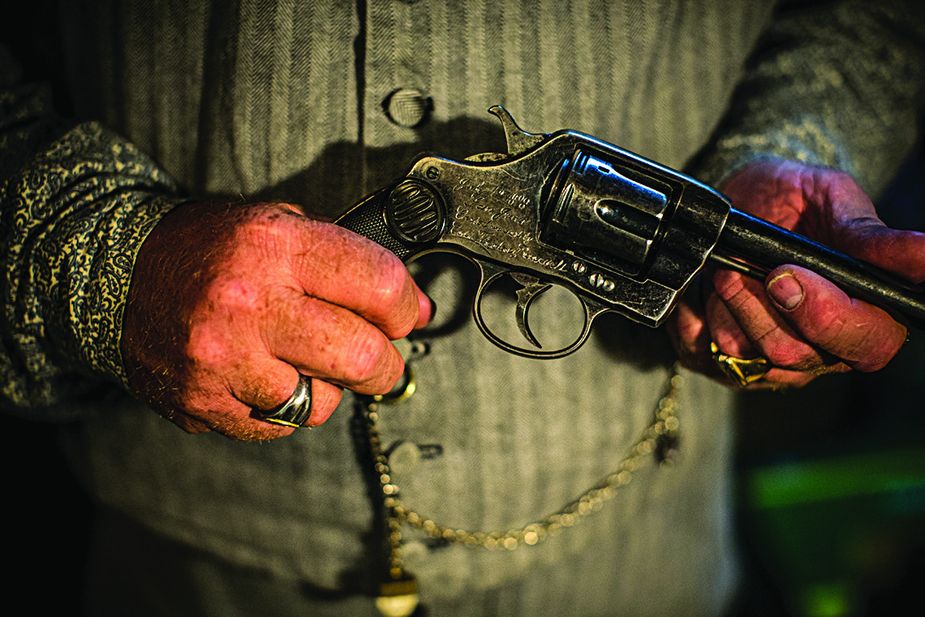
{"points": [[786, 291]]}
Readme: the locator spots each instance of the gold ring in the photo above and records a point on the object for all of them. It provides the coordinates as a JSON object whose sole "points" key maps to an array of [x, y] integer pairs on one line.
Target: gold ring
{"points": [[743, 371]]}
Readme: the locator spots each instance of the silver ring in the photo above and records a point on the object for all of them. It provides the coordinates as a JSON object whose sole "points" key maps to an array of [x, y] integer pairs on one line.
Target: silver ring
{"points": [[294, 412]]}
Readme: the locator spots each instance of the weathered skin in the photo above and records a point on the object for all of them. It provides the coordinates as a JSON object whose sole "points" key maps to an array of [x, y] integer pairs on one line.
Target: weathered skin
{"points": [[229, 302], [802, 323]]}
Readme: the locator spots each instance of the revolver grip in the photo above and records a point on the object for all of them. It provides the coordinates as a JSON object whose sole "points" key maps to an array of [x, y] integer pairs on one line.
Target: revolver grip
{"points": [[406, 218]]}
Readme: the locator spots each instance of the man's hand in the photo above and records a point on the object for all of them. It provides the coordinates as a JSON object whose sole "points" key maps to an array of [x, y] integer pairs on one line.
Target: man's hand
{"points": [[229, 303], [802, 323]]}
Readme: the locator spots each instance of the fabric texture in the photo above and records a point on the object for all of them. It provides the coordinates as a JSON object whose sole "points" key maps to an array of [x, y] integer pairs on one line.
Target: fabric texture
{"points": [[77, 203], [259, 100]]}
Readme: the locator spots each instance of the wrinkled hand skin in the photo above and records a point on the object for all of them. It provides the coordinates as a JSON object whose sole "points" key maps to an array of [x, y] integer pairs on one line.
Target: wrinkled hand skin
{"points": [[228, 303], [802, 323]]}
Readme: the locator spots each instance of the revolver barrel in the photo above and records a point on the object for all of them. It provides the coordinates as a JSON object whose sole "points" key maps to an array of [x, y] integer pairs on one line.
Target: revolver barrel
{"points": [[754, 246]]}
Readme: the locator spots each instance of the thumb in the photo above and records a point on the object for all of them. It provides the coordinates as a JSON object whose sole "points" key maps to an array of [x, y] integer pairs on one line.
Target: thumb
{"points": [[899, 251], [860, 334]]}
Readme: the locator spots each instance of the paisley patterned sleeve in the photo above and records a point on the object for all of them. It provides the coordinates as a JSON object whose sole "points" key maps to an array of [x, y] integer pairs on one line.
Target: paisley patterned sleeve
{"points": [[832, 83], [77, 201]]}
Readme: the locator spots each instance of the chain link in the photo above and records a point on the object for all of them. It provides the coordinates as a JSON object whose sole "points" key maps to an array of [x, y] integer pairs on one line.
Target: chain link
{"points": [[663, 430]]}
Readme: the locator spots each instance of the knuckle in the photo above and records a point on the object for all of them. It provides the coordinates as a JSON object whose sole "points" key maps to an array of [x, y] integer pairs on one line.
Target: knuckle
{"points": [[264, 391], [402, 324], [730, 340], [394, 298], [261, 216], [392, 282], [768, 335], [368, 355], [264, 227], [390, 376], [323, 407], [783, 350], [728, 285], [204, 347], [232, 293], [209, 340]]}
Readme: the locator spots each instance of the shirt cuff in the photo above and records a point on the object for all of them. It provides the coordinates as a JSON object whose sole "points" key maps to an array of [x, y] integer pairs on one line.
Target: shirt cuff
{"points": [[75, 218]]}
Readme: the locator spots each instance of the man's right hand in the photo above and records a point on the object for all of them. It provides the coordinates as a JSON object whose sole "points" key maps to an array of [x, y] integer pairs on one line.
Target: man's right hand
{"points": [[229, 303]]}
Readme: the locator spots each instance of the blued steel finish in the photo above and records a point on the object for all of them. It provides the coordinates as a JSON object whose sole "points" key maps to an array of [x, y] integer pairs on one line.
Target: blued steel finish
{"points": [[764, 246], [621, 232]]}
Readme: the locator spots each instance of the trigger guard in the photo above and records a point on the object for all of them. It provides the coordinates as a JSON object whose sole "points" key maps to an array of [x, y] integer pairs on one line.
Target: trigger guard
{"points": [[490, 274]]}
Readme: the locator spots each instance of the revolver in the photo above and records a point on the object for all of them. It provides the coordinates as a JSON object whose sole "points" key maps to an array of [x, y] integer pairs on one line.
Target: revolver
{"points": [[621, 232]]}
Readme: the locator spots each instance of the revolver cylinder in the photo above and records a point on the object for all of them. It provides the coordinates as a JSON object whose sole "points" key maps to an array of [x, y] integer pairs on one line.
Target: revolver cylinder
{"points": [[594, 206]]}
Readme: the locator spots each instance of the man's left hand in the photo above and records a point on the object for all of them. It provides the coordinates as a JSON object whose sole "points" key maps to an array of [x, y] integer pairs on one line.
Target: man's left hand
{"points": [[802, 323]]}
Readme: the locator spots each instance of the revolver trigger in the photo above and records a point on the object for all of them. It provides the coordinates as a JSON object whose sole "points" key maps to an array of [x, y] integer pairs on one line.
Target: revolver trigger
{"points": [[518, 140], [531, 288]]}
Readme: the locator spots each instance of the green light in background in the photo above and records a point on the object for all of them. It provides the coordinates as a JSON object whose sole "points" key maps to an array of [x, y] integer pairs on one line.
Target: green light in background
{"points": [[831, 599], [892, 472]]}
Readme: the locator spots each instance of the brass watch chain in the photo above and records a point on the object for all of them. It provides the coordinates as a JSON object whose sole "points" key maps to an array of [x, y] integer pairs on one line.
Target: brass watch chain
{"points": [[398, 594]]}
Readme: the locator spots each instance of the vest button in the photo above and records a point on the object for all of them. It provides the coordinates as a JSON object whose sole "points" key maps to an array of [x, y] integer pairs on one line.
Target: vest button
{"points": [[404, 456], [407, 107]]}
